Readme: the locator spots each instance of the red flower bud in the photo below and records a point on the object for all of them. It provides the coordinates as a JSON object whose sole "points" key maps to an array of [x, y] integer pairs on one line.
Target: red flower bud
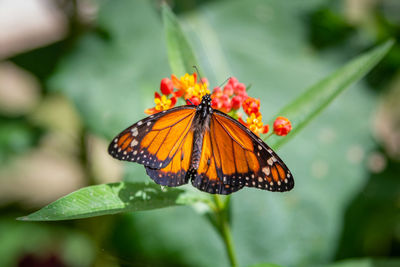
{"points": [[166, 86], [194, 100], [217, 92], [228, 90], [240, 89], [216, 103], [233, 81], [265, 129], [222, 103], [282, 126], [236, 102]]}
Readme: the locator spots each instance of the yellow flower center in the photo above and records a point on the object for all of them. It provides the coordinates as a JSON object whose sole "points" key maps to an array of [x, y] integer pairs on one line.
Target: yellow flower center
{"points": [[192, 88], [162, 103], [188, 81], [200, 90], [254, 123]]}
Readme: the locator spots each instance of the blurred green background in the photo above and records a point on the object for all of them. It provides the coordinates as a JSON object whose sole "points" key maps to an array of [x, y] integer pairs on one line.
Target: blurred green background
{"points": [[75, 73]]}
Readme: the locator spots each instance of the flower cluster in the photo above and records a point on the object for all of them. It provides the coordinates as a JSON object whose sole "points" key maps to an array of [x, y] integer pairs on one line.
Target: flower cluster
{"points": [[228, 99]]}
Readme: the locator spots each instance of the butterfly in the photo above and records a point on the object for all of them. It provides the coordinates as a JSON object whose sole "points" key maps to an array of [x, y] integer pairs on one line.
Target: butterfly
{"points": [[215, 152]]}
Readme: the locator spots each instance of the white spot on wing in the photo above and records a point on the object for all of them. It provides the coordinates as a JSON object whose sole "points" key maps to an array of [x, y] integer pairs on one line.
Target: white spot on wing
{"points": [[266, 170], [134, 142], [135, 131]]}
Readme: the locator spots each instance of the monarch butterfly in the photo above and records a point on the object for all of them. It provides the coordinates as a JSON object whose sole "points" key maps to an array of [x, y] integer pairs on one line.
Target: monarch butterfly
{"points": [[215, 152]]}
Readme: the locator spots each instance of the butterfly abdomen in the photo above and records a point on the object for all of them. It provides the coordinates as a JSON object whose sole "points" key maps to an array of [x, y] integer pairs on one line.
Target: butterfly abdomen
{"points": [[197, 147], [201, 124]]}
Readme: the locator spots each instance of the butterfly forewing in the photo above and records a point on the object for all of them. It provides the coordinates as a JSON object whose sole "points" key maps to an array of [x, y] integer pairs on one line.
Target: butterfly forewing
{"points": [[155, 140]]}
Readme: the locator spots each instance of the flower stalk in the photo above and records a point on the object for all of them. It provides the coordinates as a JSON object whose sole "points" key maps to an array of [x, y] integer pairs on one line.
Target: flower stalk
{"points": [[220, 219]]}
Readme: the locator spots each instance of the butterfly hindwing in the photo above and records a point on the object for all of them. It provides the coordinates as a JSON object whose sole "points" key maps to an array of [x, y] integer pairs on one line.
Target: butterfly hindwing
{"points": [[234, 157], [155, 140]]}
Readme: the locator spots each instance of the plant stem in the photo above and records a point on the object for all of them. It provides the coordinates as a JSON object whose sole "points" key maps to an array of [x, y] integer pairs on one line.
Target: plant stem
{"points": [[222, 224]]}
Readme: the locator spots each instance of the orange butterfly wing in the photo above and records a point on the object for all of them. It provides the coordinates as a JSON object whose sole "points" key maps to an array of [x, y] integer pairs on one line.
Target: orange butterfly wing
{"points": [[157, 139], [233, 157], [174, 174]]}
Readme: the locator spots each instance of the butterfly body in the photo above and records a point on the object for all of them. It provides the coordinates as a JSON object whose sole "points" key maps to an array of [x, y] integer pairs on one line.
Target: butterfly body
{"points": [[202, 145], [201, 122]]}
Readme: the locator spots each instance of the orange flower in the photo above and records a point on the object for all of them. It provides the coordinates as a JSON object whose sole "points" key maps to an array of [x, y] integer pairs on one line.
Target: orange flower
{"points": [[188, 87], [251, 106], [255, 124], [162, 103], [282, 126]]}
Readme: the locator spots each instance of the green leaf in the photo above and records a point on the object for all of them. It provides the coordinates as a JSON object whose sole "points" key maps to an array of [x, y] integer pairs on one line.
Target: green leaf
{"points": [[112, 198], [309, 104], [180, 54]]}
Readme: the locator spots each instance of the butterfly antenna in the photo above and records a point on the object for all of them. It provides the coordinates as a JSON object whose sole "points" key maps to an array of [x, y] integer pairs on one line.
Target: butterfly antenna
{"points": [[225, 81], [190, 101], [201, 78]]}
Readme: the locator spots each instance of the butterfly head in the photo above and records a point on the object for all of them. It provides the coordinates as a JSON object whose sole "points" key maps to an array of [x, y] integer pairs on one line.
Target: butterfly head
{"points": [[205, 106]]}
